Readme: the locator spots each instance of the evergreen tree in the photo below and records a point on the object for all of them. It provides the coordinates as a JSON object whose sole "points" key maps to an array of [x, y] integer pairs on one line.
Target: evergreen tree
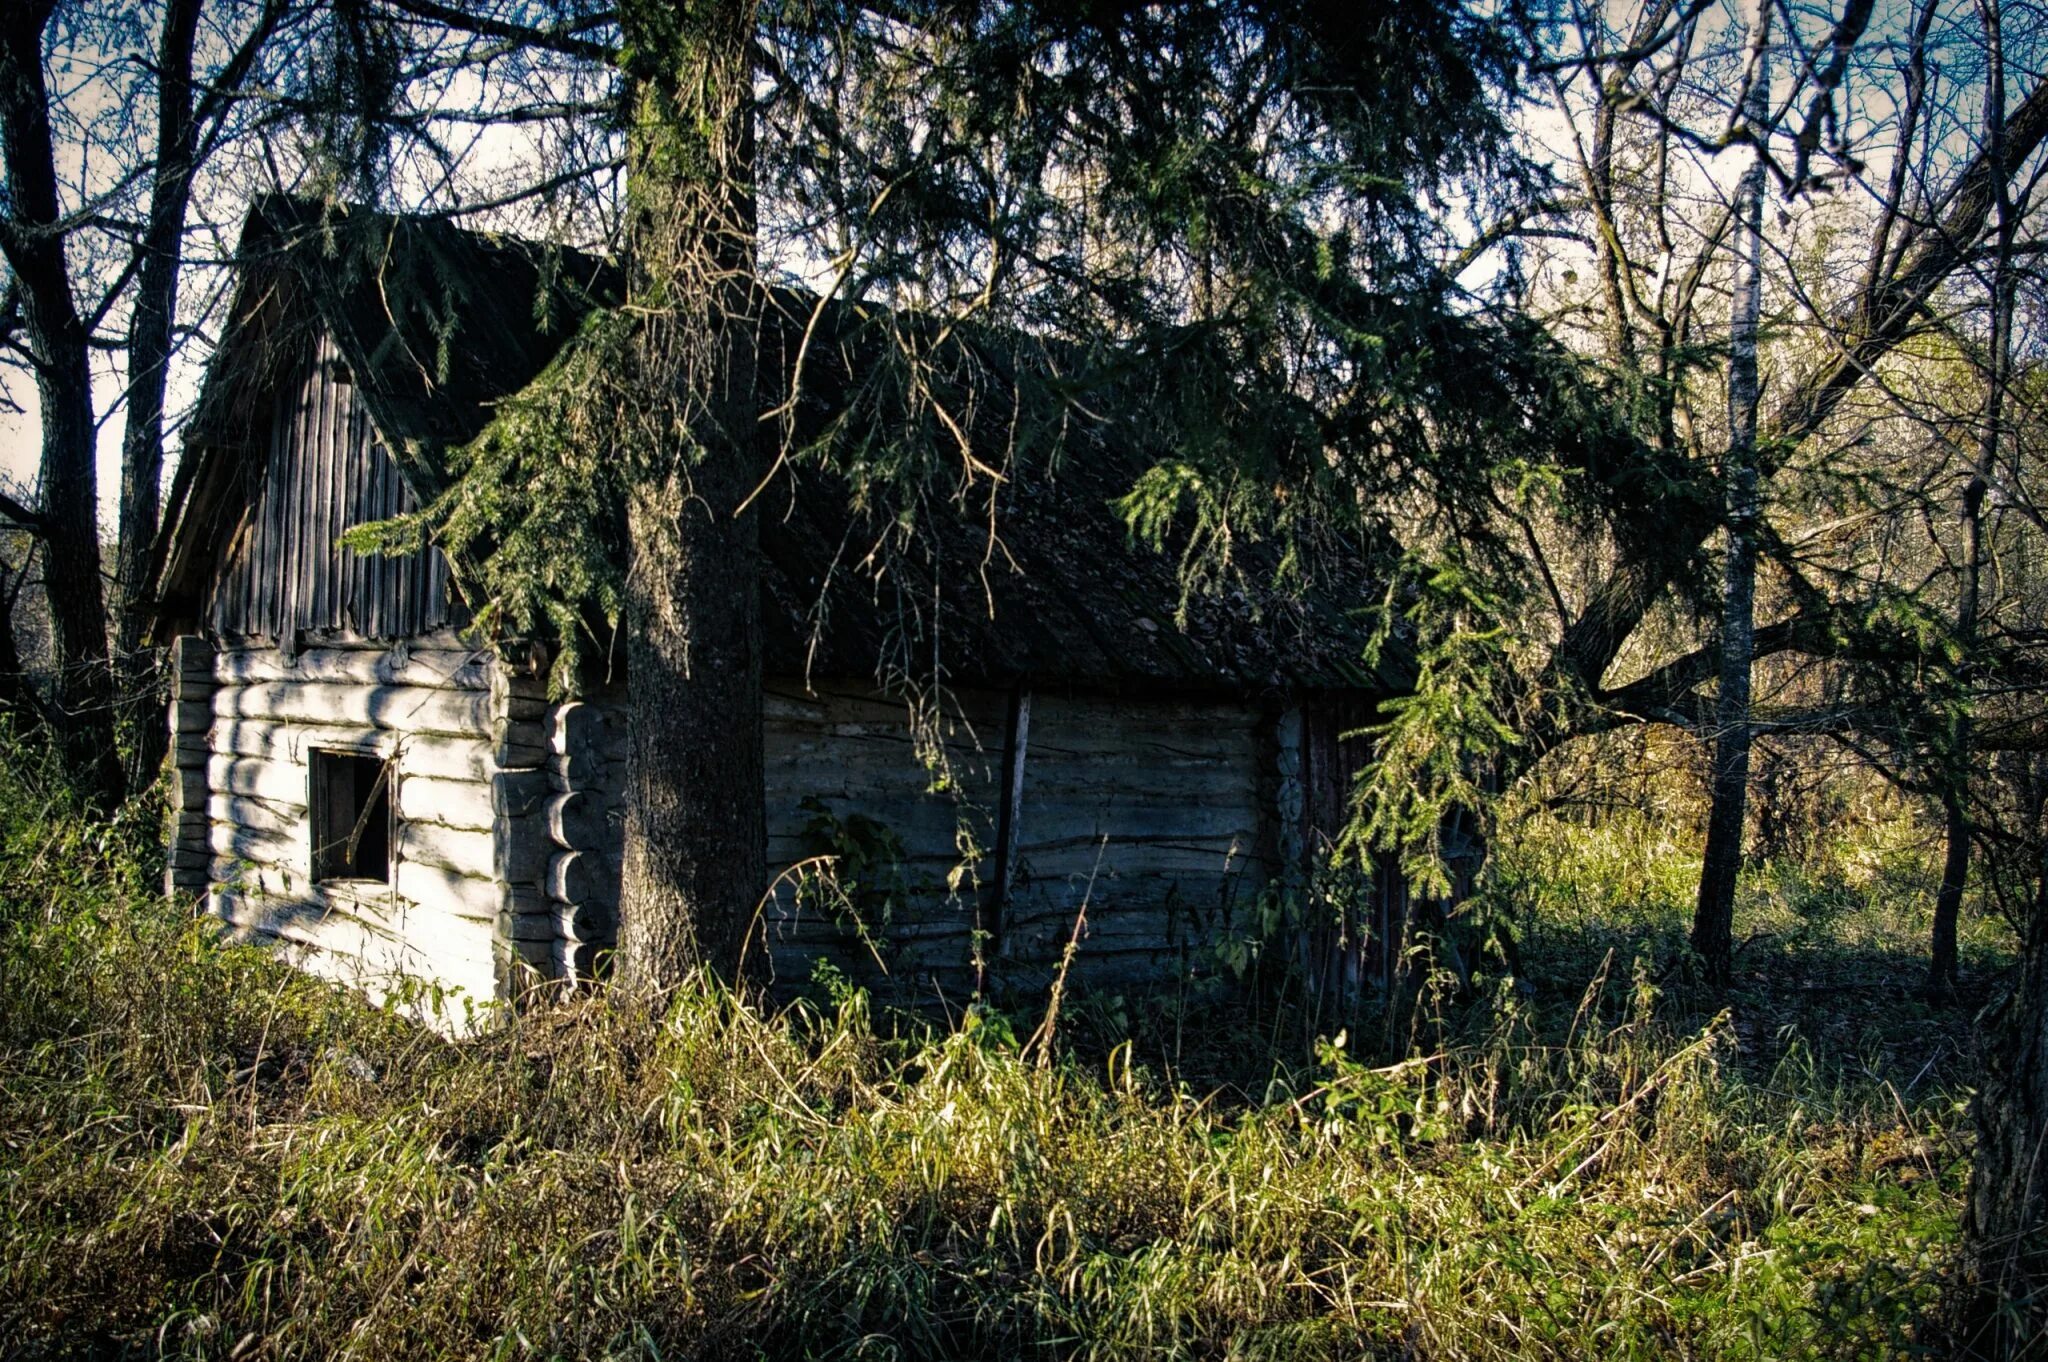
{"points": [[1016, 218]]}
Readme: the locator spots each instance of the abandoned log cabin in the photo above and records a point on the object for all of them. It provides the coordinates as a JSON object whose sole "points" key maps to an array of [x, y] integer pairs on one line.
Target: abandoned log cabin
{"points": [[391, 799]]}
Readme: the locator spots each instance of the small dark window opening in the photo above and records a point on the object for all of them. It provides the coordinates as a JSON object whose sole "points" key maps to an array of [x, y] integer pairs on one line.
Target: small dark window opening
{"points": [[351, 815], [338, 371]]}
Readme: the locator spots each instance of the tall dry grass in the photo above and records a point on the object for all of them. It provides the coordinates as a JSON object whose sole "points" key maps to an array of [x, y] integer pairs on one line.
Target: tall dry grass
{"points": [[203, 1154]]}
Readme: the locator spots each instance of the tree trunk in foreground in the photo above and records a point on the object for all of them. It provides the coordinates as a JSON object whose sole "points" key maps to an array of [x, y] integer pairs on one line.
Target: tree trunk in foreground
{"points": [[1714, 917], [695, 845], [83, 712], [2004, 1286]]}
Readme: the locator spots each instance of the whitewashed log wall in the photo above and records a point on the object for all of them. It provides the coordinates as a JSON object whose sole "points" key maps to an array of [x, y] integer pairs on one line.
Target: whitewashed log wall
{"points": [[464, 911]]}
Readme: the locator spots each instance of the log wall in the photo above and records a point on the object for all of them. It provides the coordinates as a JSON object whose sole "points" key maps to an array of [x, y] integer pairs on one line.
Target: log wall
{"points": [[840, 763], [1162, 818], [846, 771], [464, 912], [583, 831]]}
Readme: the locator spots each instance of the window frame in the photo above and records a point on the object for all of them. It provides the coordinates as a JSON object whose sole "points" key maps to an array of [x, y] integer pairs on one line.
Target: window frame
{"points": [[325, 870]]}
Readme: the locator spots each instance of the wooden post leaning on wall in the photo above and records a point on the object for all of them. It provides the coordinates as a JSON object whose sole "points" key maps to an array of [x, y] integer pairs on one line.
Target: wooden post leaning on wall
{"points": [[995, 903]]}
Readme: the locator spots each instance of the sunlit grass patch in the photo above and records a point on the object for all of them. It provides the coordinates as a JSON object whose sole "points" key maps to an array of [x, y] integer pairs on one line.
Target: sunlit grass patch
{"points": [[208, 1155]]}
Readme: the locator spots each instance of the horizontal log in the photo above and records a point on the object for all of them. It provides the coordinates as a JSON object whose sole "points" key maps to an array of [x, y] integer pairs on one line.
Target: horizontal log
{"points": [[1133, 822], [575, 961], [518, 745], [476, 804], [431, 668], [576, 726], [1106, 930], [536, 954], [588, 923], [280, 782], [512, 851], [189, 787], [823, 935], [247, 811], [581, 877], [925, 824], [191, 653], [468, 896], [395, 709], [886, 748], [467, 852], [1129, 866], [527, 926], [453, 803], [575, 769], [577, 820], [287, 850], [970, 708]]}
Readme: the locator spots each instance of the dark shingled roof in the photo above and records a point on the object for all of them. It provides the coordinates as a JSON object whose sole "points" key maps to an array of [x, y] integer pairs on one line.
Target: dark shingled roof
{"points": [[438, 323]]}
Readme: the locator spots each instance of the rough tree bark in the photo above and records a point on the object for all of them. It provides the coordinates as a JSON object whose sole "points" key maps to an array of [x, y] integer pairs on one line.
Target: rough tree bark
{"points": [[149, 356], [1714, 915], [32, 239], [2003, 1297], [695, 841]]}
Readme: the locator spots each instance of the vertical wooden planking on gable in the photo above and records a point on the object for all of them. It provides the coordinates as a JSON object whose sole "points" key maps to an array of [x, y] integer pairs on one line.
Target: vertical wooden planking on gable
{"points": [[292, 541], [324, 471], [352, 564], [272, 571], [370, 615], [327, 488], [376, 571]]}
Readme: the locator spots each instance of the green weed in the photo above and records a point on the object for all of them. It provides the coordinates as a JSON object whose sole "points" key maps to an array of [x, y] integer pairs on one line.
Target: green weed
{"points": [[204, 1154]]}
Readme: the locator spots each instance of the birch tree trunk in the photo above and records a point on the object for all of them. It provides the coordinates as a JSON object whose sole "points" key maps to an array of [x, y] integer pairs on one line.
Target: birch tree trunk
{"points": [[1955, 871], [695, 840], [1714, 916], [2003, 1296]]}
